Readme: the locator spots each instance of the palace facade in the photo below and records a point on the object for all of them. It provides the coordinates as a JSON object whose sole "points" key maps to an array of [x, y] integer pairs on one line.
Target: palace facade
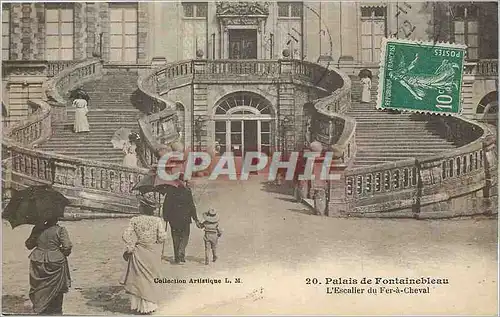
{"points": [[241, 77], [139, 32]]}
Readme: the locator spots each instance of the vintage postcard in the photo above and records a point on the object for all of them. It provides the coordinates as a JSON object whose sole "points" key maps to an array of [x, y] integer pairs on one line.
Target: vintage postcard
{"points": [[249, 158]]}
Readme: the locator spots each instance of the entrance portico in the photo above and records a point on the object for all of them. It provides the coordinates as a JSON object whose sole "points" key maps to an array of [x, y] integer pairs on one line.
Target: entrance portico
{"points": [[241, 30], [244, 122]]}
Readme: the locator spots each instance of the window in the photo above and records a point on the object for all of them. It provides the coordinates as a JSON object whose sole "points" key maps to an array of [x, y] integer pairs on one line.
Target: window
{"points": [[5, 32], [195, 9], [59, 32], [290, 9], [373, 29], [123, 33], [465, 28]]}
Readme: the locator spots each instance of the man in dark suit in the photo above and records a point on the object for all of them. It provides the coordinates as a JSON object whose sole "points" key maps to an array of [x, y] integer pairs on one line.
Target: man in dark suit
{"points": [[178, 210]]}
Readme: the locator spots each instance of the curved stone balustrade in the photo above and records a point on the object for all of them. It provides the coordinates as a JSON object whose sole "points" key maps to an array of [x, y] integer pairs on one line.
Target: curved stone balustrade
{"points": [[449, 184], [463, 179], [36, 128], [89, 185], [483, 67], [55, 67], [333, 85], [60, 85], [157, 130]]}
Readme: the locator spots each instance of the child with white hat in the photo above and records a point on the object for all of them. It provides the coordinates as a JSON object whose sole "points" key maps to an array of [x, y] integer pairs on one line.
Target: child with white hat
{"points": [[212, 233]]}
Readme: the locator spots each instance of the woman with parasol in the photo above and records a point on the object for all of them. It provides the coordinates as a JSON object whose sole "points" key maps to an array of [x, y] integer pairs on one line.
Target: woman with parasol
{"points": [[49, 271], [80, 103], [130, 150], [365, 76]]}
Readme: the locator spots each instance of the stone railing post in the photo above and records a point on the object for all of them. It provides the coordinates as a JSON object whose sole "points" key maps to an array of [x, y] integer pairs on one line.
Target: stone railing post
{"points": [[431, 173], [199, 66], [337, 204], [286, 67], [469, 77]]}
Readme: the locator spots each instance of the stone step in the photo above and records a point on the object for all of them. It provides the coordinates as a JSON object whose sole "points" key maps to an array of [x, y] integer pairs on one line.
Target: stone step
{"points": [[88, 154], [88, 145], [402, 145], [392, 153], [110, 108]]}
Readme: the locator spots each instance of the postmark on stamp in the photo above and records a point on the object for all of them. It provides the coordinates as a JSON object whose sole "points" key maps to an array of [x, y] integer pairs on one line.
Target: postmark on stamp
{"points": [[421, 77]]}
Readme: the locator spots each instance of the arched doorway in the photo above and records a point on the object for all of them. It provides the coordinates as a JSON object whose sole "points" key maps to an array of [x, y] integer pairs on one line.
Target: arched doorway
{"points": [[243, 123], [488, 107]]}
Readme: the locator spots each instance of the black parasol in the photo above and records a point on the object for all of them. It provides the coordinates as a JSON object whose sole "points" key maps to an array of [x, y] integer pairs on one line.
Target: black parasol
{"points": [[79, 93], [365, 73], [34, 205]]}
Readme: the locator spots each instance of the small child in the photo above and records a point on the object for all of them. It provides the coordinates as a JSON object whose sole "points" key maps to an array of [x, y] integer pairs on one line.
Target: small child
{"points": [[212, 233]]}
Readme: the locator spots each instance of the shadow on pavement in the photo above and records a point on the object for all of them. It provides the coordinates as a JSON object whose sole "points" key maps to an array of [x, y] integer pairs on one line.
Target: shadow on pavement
{"points": [[109, 298], [15, 305], [303, 211], [272, 187], [189, 258], [288, 199]]}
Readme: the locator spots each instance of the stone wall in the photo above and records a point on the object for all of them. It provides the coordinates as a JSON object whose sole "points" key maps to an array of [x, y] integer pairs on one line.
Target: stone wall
{"points": [[90, 19]]}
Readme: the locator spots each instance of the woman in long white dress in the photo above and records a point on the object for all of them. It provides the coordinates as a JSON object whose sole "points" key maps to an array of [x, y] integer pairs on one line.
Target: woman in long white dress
{"points": [[130, 159], [143, 259], [366, 93], [81, 122]]}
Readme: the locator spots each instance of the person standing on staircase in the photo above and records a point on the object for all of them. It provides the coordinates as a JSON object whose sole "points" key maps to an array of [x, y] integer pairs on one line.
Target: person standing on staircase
{"points": [[81, 122], [130, 150], [366, 93]]}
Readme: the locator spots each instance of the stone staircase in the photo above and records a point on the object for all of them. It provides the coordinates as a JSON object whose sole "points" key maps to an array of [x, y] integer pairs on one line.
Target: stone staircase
{"points": [[382, 136], [110, 108]]}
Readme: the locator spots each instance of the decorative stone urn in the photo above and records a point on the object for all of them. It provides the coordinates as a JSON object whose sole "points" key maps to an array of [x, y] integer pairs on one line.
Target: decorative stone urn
{"points": [[320, 201], [177, 146], [316, 146], [199, 53], [337, 152]]}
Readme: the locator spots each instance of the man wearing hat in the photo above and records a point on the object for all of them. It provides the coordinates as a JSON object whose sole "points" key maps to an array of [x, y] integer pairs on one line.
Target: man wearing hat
{"points": [[212, 233], [178, 210]]}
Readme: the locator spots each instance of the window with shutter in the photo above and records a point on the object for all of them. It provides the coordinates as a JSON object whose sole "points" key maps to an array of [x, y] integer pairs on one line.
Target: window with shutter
{"points": [[373, 29], [123, 32], [59, 31], [465, 28]]}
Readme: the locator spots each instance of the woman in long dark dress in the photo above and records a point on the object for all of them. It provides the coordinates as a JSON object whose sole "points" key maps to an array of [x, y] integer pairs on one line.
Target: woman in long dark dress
{"points": [[49, 270]]}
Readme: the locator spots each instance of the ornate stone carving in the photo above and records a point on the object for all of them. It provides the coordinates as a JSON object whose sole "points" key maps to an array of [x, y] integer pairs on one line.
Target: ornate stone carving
{"points": [[24, 70], [240, 21], [226, 8]]}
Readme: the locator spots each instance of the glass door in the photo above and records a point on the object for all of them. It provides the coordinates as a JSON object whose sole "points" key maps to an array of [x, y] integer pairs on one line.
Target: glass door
{"points": [[265, 137], [236, 141], [241, 136]]}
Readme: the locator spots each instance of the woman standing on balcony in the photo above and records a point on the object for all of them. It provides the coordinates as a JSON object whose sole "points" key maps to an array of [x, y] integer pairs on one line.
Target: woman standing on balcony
{"points": [[81, 122]]}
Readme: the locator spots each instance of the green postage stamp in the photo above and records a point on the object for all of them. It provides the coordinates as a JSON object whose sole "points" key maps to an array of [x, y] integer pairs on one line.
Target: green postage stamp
{"points": [[421, 76]]}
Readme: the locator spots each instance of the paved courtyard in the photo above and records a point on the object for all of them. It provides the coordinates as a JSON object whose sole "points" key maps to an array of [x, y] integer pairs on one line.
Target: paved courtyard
{"points": [[273, 244]]}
